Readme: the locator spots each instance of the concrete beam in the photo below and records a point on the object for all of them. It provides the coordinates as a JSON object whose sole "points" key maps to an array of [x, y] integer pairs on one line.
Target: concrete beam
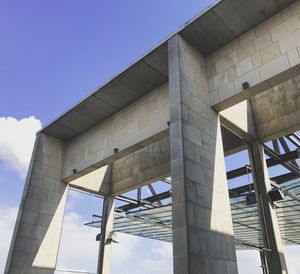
{"points": [[135, 126], [141, 167], [136, 169], [95, 182], [277, 110], [265, 56], [36, 236]]}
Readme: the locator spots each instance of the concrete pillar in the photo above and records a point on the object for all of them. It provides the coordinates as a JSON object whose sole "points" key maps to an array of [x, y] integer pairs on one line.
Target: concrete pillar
{"points": [[202, 228], [106, 229], [36, 236], [275, 258]]}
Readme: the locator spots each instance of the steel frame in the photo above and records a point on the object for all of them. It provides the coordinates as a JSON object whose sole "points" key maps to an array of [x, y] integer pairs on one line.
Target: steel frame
{"points": [[150, 217]]}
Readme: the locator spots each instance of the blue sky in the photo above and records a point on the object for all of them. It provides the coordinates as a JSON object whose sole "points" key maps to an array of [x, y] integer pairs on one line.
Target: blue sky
{"points": [[53, 53]]}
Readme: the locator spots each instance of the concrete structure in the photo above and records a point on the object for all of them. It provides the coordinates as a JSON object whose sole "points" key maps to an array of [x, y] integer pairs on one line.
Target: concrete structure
{"points": [[164, 116]]}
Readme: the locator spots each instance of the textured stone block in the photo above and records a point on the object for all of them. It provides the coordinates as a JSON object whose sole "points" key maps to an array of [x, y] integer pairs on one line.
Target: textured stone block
{"points": [[214, 97], [262, 41], [289, 42], [247, 37], [199, 262], [274, 108], [270, 53], [245, 51], [192, 134], [181, 264], [286, 14], [226, 91], [268, 25], [244, 66], [221, 79], [252, 77], [274, 67], [226, 62], [256, 60], [286, 28], [232, 73], [180, 244]]}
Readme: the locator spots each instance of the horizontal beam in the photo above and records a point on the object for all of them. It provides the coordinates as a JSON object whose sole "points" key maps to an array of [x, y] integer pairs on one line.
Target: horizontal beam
{"points": [[235, 192], [142, 167], [151, 200], [280, 159]]}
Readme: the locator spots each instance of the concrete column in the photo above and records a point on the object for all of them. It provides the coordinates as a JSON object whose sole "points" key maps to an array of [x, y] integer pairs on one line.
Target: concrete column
{"points": [[202, 228], [275, 259], [36, 236], [106, 228]]}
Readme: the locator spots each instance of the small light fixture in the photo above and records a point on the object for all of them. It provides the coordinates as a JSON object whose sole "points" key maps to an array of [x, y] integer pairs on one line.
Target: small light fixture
{"points": [[276, 195], [245, 85], [116, 150], [111, 238], [98, 237]]}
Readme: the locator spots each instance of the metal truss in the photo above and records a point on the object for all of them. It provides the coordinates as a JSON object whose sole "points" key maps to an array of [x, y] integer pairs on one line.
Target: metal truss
{"points": [[150, 216]]}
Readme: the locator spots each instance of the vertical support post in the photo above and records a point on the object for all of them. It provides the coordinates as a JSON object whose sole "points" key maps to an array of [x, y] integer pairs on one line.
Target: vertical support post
{"points": [[264, 266], [37, 231], [202, 228], [106, 228], [275, 259]]}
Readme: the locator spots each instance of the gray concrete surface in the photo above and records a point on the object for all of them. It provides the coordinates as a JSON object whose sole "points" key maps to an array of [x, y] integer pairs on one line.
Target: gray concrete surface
{"points": [[36, 237], [202, 227], [277, 110], [136, 125]]}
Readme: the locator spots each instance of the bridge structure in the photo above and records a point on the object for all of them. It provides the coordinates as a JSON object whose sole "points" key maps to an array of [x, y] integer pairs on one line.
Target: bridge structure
{"points": [[226, 82]]}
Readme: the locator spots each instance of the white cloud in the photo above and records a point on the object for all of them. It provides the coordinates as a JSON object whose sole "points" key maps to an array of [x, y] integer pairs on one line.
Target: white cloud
{"points": [[160, 260], [163, 250], [293, 258], [248, 261], [78, 249], [7, 221], [136, 255], [123, 252], [16, 142]]}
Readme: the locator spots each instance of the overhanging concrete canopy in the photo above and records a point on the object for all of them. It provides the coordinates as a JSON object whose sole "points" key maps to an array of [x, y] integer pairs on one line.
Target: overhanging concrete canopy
{"points": [[227, 20], [131, 84], [219, 24]]}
